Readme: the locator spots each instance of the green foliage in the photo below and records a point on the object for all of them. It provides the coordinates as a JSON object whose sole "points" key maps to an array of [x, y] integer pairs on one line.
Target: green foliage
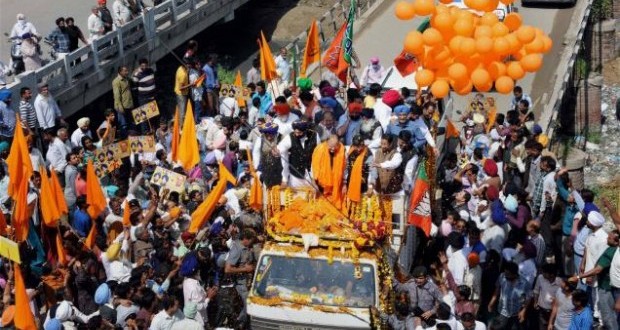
{"points": [[601, 10], [582, 68], [225, 76], [593, 137]]}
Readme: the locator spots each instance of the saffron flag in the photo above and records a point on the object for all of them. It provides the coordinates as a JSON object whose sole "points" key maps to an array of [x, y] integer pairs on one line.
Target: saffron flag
{"points": [[206, 208], [333, 59], [89, 242], [420, 203], [406, 63], [354, 191], [60, 250], [59, 194], [126, 215], [18, 161], [175, 136], [451, 131], [347, 42], [239, 83], [23, 320], [21, 213], [200, 80], [267, 62], [312, 52], [94, 194], [256, 189], [188, 155], [49, 209]]}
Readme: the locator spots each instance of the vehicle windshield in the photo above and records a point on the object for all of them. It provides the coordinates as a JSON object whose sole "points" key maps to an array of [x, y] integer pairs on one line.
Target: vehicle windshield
{"points": [[315, 282]]}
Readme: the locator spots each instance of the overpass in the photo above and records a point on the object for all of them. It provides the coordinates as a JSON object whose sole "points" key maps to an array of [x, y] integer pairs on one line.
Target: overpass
{"points": [[158, 31]]}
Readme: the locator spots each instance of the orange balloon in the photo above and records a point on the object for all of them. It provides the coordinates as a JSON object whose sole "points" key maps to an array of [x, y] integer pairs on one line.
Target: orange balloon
{"points": [[467, 47], [463, 27], [476, 4], [531, 62], [526, 34], [484, 45], [514, 43], [548, 44], [513, 21], [424, 77], [457, 71], [404, 10], [446, 2], [480, 77], [464, 87], [489, 19], [484, 88], [432, 37], [424, 7], [496, 69], [490, 5], [455, 44], [440, 88], [501, 47], [500, 30], [464, 14], [514, 70], [442, 22], [414, 43], [442, 8], [483, 31], [536, 46], [507, 2], [504, 85]]}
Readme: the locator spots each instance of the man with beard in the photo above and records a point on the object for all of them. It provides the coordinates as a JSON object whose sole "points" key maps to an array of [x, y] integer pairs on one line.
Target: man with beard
{"points": [[370, 130], [403, 123], [106, 16], [359, 152], [284, 118], [296, 153], [328, 164], [350, 123], [266, 157], [387, 161], [60, 39], [326, 127]]}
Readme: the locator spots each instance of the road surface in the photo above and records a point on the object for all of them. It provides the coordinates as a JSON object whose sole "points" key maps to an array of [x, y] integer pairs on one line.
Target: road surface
{"points": [[384, 34]]}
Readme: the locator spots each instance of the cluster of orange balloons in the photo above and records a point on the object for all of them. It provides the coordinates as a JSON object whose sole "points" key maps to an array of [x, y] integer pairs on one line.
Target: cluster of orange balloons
{"points": [[466, 49]]}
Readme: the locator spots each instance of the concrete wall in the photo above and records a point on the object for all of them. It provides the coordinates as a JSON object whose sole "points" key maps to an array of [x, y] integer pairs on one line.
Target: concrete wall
{"points": [[152, 36]]}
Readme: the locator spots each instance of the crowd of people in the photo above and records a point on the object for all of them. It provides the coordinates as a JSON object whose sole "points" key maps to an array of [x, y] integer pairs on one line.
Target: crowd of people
{"points": [[514, 244]]}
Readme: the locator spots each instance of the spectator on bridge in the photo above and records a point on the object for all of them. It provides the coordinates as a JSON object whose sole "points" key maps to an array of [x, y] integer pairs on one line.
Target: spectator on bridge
{"points": [[27, 114], [123, 100], [7, 116], [95, 25], [75, 34], [22, 27], [48, 112], [60, 39], [373, 72], [30, 52], [122, 12], [106, 16], [253, 75]]}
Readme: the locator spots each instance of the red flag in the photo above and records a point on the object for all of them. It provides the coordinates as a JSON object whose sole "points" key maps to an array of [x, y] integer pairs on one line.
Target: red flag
{"points": [[334, 56], [406, 63], [2, 224]]}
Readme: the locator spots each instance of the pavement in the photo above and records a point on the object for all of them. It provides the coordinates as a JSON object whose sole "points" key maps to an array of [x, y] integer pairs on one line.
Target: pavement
{"points": [[383, 36]]}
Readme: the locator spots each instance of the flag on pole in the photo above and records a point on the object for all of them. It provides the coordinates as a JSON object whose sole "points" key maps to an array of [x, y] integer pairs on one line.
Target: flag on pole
{"points": [[420, 202], [20, 218], [347, 42], [206, 208], [451, 131], [256, 189], [239, 83], [49, 209], [89, 242], [312, 52], [333, 59], [200, 80], [188, 155], [59, 194], [23, 320], [267, 62], [60, 250], [18, 161], [406, 63], [126, 215], [175, 136], [94, 194]]}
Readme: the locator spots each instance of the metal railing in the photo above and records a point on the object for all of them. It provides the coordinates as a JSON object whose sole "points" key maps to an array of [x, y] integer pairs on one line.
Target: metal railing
{"points": [[86, 74]]}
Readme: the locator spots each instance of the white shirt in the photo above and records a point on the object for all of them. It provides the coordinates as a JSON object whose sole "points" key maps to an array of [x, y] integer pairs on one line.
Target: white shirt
{"points": [[252, 115], [22, 27], [229, 107], [596, 244], [409, 175], [57, 154], [494, 236], [528, 271], [549, 186], [187, 324], [121, 12], [383, 113], [546, 291], [37, 160], [77, 135], [284, 67], [370, 75], [458, 265], [4, 69], [47, 111], [194, 292], [163, 321], [614, 270], [392, 163], [285, 124], [479, 326], [95, 27]]}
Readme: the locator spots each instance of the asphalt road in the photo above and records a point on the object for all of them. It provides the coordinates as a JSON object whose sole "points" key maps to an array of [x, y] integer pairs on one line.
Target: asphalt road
{"points": [[383, 36]]}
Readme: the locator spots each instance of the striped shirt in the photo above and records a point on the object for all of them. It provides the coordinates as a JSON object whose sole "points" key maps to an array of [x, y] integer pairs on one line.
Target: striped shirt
{"points": [[27, 114], [145, 80]]}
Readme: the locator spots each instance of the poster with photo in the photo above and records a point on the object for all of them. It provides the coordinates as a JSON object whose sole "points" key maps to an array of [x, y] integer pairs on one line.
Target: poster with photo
{"points": [[109, 158], [169, 180], [145, 112], [227, 90], [140, 144]]}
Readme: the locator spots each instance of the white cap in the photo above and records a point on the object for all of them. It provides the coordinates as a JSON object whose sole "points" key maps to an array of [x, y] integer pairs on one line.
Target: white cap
{"points": [[596, 219]]}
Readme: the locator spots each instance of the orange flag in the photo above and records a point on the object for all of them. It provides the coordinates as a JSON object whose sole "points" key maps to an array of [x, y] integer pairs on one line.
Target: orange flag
{"points": [[2, 225], [21, 212], [451, 130], [239, 83], [188, 155], [312, 52], [24, 320], [175, 136], [19, 163], [256, 189], [60, 250], [205, 209], [47, 203], [334, 56], [94, 194], [89, 242], [59, 195], [200, 80], [354, 191], [127, 215], [267, 62]]}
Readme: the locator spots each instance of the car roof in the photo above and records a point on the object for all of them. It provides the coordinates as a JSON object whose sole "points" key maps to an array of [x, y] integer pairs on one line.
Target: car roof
{"points": [[500, 11]]}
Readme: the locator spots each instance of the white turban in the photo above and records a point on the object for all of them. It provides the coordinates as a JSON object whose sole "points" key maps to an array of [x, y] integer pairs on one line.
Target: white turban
{"points": [[495, 135], [596, 219], [83, 122], [64, 311]]}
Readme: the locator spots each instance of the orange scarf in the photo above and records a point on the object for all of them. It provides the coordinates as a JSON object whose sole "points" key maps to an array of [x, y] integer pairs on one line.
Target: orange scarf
{"points": [[329, 177], [491, 118], [355, 178]]}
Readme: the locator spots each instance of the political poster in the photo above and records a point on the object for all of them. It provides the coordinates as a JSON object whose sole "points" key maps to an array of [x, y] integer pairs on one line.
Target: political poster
{"points": [[109, 158], [168, 180], [140, 144], [227, 90], [9, 249], [145, 112]]}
